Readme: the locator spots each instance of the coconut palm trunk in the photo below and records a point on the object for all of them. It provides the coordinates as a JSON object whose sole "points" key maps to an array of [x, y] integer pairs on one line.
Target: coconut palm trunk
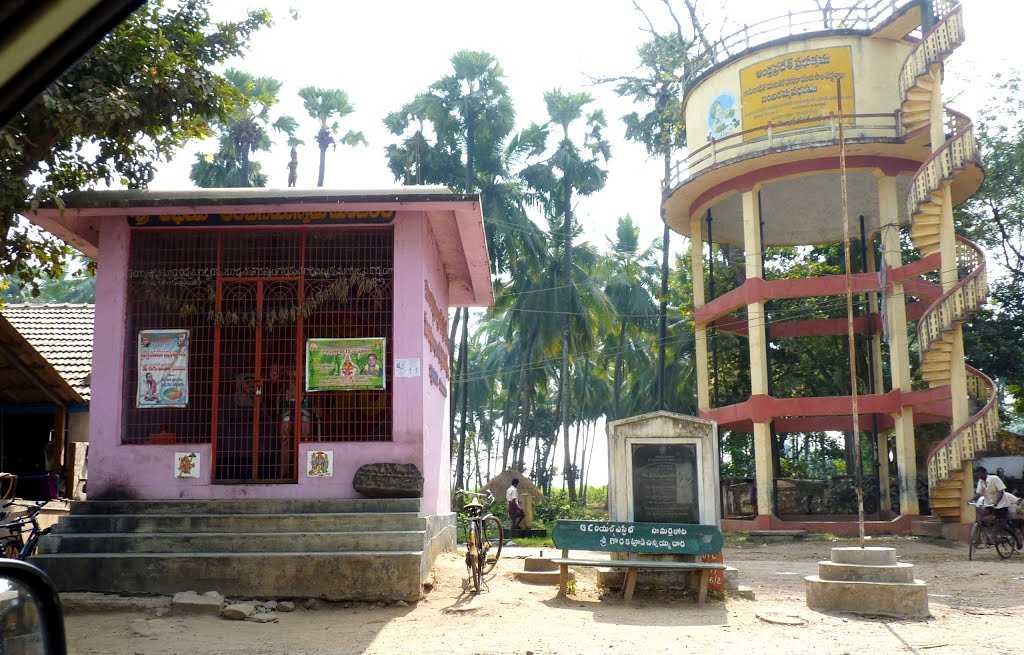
{"points": [[566, 325], [323, 139], [663, 301], [617, 388]]}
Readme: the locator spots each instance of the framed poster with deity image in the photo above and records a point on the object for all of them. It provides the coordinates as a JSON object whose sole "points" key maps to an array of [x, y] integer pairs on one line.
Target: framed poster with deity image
{"points": [[345, 364]]}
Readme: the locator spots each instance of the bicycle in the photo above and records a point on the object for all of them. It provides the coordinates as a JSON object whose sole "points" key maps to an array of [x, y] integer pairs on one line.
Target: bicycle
{"points": [[988, 532], [13, 544], [484, 534]]}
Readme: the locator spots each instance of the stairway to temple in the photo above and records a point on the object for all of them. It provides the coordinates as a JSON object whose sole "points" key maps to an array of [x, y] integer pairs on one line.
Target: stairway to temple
{"points": [[357, 549]]}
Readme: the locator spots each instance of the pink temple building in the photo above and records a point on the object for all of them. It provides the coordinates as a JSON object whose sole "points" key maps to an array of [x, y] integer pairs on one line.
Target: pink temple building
{"points": [[263, 345]]}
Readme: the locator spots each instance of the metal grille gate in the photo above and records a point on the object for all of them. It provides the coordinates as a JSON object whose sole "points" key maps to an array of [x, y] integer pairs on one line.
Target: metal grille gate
{"points": [[250, 300]]}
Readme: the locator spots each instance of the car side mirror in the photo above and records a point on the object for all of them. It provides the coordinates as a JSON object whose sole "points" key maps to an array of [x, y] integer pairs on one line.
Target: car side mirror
{"points": [[31, 617]]}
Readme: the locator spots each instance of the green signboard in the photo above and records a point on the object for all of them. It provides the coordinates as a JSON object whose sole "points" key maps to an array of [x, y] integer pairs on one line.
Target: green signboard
{"points": [[652, 538], [345, 364]]}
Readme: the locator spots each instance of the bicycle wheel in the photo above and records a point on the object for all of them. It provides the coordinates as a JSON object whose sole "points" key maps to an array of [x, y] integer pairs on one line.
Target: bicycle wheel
{"points": [[1005, 543], [476, 560], [974, 541], [493, 540]]}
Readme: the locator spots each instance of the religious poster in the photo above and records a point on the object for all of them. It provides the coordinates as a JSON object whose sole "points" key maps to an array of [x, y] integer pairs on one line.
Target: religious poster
{"points": [[320, 464], [665, 483], [186, 465], [722, 116], [163, 369], [345, 364], [795, 86]]}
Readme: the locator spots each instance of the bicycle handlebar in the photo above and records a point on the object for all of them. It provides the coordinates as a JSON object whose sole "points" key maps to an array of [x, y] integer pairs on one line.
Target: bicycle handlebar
{"points": [[485, 494]]}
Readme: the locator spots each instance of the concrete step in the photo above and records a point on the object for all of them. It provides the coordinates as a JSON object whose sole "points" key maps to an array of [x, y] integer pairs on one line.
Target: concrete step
{"points": [[238, 542], [164, 523], [538, 577], [339, 506], [332, 576], [539, 565], [868, 555], [778, 534], [899, 572]]}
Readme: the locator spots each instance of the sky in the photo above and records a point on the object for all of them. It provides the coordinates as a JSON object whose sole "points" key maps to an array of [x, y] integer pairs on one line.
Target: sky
{"points": [[385, 52]]}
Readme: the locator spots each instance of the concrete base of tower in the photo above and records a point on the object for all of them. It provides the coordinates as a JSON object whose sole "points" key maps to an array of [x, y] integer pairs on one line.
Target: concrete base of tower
{"points": [[867, 581]]}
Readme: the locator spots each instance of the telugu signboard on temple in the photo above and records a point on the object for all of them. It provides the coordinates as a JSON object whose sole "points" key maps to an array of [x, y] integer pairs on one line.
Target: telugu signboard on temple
{"points": [[793, 87], [163, 369], [345, 364], [262, 218]]}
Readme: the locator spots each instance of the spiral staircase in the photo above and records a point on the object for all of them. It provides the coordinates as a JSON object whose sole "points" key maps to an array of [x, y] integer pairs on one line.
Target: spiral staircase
{"points": [[953, 168]]}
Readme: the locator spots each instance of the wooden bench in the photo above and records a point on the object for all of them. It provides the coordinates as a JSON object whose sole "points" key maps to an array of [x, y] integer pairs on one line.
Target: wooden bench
{"points": [[638, 538]]}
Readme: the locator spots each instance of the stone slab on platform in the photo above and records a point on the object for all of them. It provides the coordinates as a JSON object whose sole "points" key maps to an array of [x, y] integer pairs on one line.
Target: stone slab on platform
{"points": [[539, 564], [540, 577], [186, 603], [389, 481]]}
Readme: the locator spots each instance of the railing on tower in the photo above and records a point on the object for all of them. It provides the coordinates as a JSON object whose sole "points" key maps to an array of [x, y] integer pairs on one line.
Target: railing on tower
{"points": [[859, 15], [958, 152], [937, 43], [766, 137]]}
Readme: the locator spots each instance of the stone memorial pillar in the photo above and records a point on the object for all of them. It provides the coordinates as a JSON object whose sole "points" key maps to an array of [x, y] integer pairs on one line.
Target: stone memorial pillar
{"points": [[663, 468]]}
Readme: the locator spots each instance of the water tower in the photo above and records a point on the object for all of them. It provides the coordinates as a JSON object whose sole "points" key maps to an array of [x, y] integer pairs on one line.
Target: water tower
{"points": [[766, 123]]}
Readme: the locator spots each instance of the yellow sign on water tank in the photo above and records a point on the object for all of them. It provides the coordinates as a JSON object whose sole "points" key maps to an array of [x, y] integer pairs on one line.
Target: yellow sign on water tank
{"points": [[787, 89]]}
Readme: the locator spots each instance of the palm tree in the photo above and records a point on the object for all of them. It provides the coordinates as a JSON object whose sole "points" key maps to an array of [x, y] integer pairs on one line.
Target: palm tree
{"points": [[288, 125], [324, 105], [669, 62], [569, 169], [247, 128], [242, 133], [629, 287], [459, 133]]}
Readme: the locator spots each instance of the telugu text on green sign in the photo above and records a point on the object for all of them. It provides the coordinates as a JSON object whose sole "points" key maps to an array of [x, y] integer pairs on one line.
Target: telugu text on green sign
{"points": [[655, 538]]}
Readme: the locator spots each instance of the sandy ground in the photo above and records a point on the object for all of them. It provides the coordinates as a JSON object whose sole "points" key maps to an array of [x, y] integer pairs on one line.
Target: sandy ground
{"points": [[975, 605]]}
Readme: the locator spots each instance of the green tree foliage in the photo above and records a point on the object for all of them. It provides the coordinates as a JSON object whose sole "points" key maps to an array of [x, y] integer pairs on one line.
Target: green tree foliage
{"points": [[327, 107], [459, 133], [994, 218], [563, 171], [140, 94], [669, 62], [243, 132]]}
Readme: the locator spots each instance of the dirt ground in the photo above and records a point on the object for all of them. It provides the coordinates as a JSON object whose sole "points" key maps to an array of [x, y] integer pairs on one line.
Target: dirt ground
{"points": [[975, 605]]}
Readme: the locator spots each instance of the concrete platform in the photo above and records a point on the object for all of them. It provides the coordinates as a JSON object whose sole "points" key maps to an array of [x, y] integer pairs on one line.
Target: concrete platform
{"points": [[334, 549], [539, 577], [897, 599], [539, 565], [867, 581]]}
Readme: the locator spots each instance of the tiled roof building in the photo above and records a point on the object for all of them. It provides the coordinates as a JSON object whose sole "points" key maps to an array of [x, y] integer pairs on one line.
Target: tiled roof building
{"points": [[62, 334]]}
